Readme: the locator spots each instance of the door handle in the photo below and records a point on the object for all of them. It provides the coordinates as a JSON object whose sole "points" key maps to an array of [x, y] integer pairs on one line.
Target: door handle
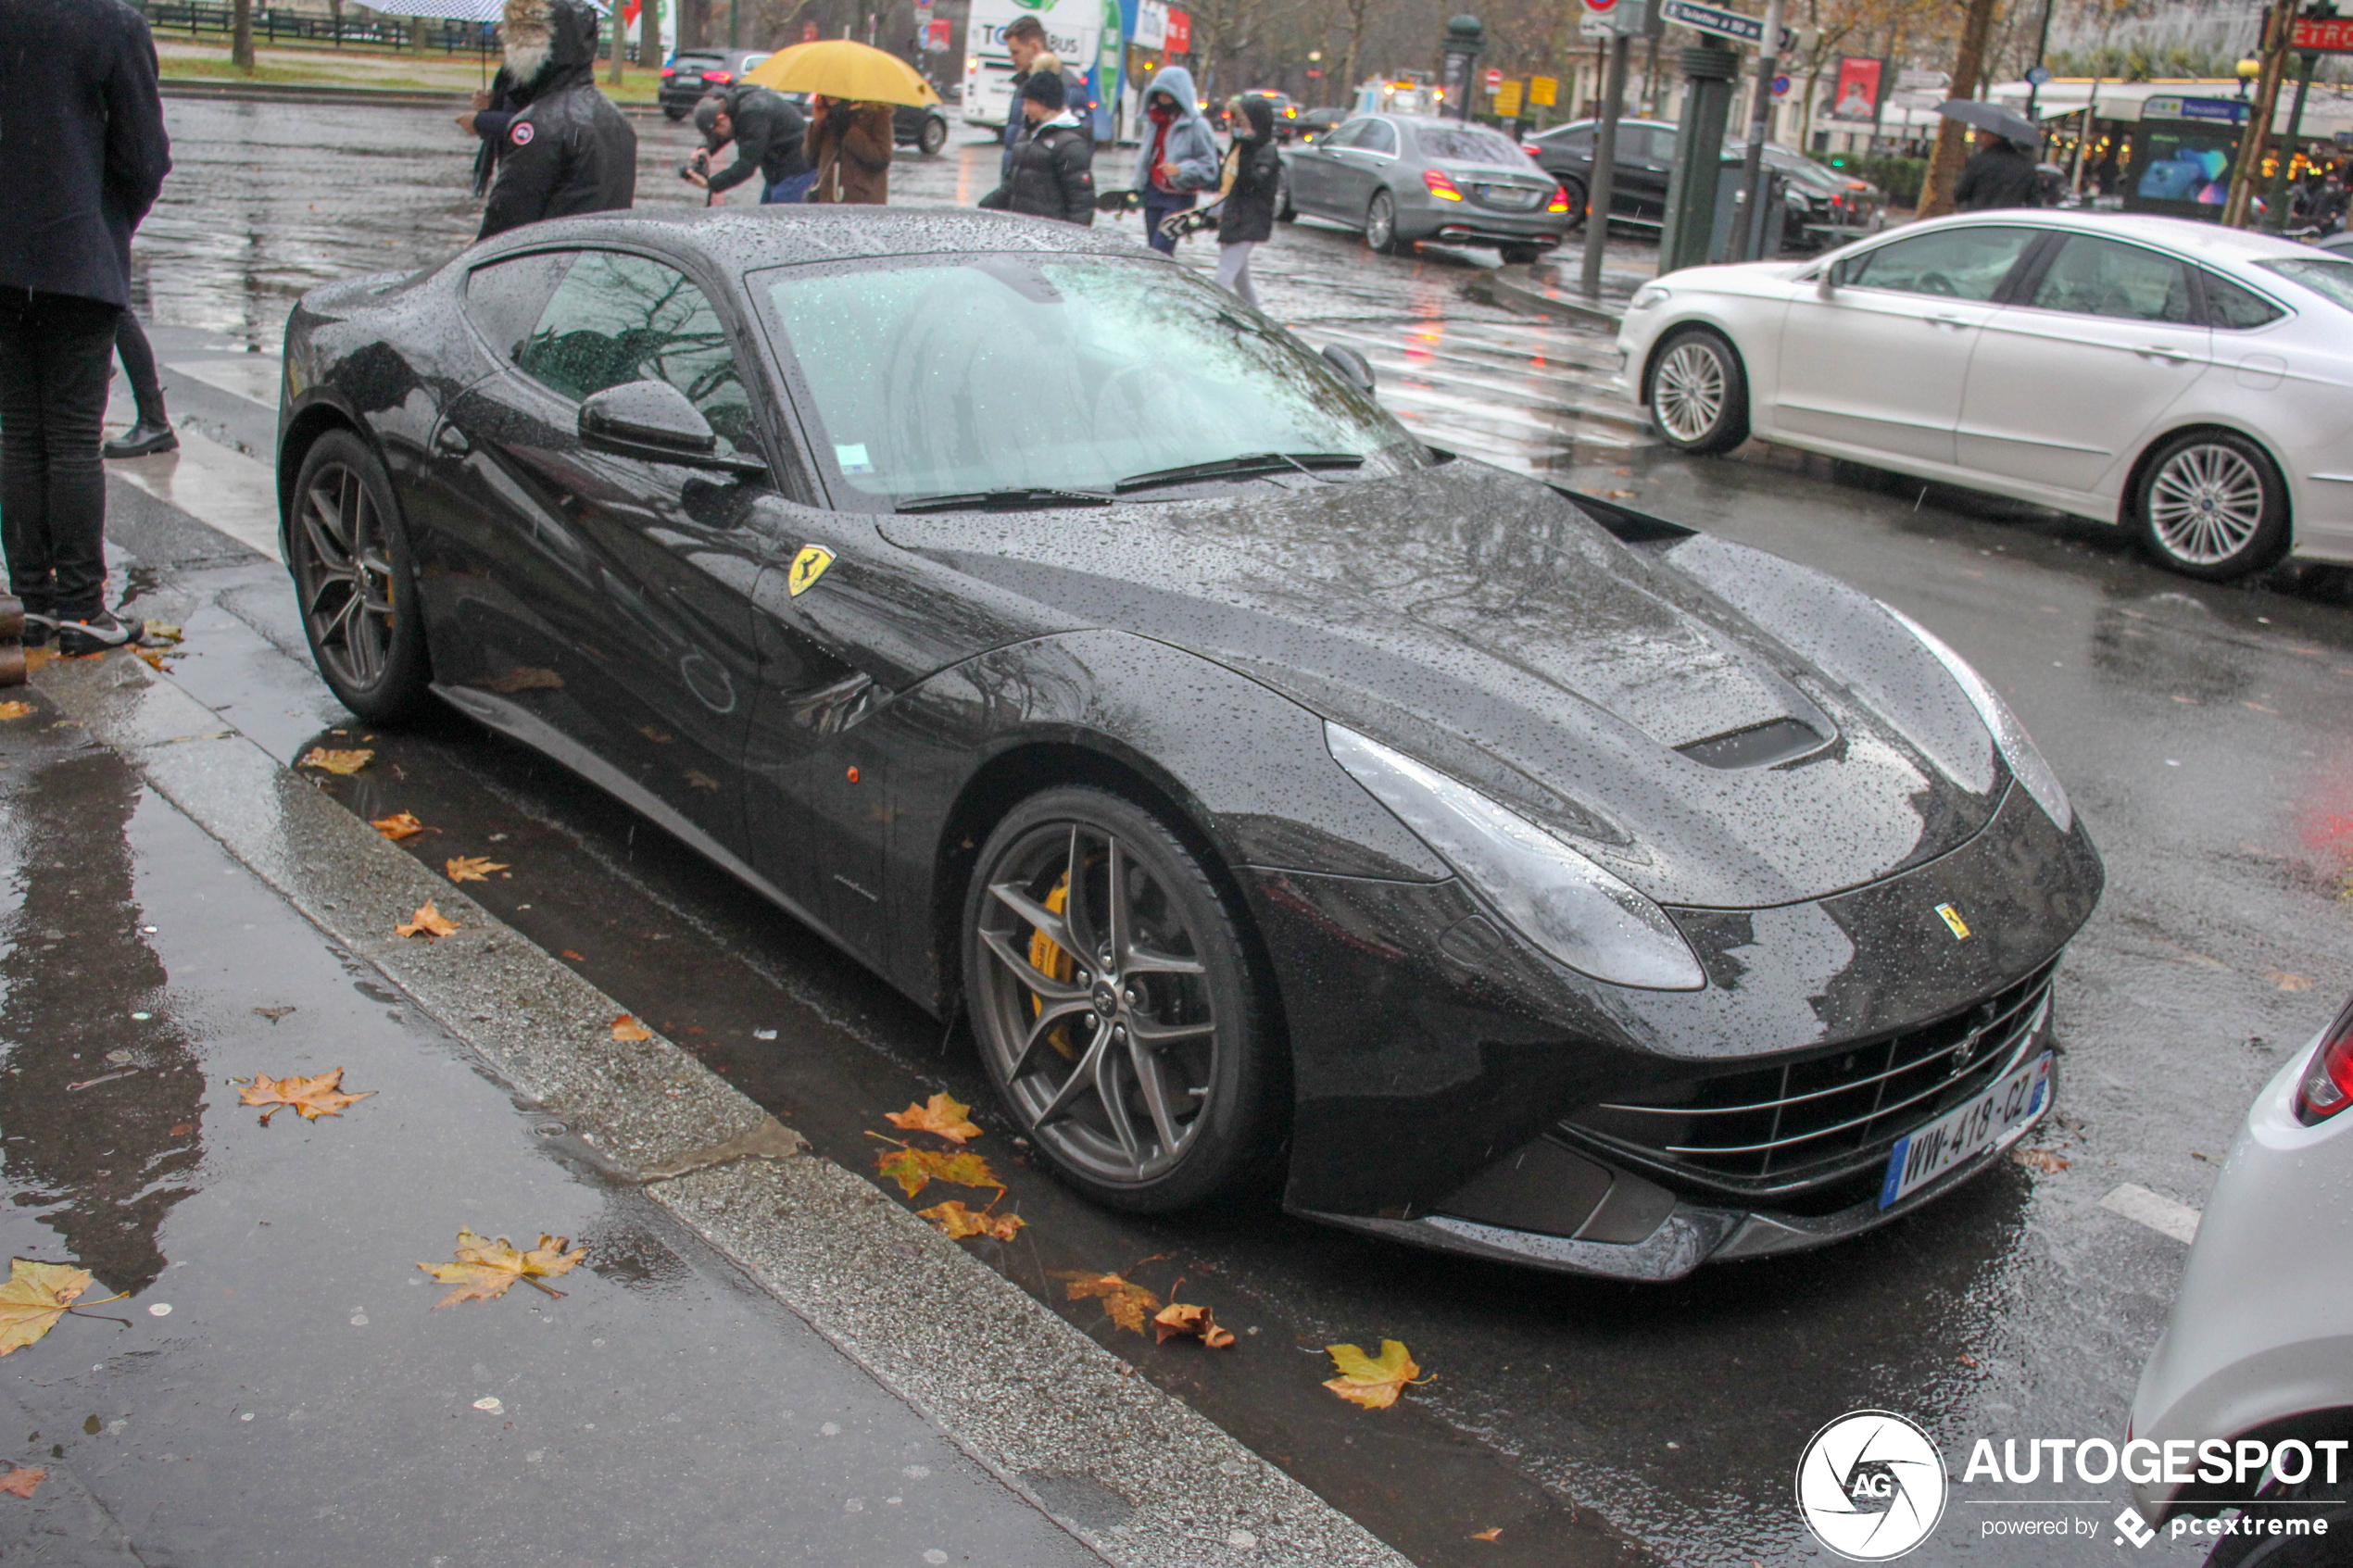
{"points": [[1954, 323], [2159, 351]]}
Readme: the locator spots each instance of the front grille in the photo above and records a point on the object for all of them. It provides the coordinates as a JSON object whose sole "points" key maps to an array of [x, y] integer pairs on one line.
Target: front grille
{"points": [[1817, 1118]]}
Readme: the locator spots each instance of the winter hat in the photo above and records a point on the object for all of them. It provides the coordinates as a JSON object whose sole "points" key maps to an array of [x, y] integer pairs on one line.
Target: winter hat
{"points": [[1045, 87], [524, 32]]}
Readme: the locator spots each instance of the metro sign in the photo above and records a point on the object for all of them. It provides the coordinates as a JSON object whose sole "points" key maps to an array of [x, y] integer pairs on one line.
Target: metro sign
{"points": [[2320, 35]]}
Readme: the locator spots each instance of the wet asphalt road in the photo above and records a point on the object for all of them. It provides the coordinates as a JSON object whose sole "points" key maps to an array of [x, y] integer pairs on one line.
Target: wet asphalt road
{"points": [[2200, 729]]}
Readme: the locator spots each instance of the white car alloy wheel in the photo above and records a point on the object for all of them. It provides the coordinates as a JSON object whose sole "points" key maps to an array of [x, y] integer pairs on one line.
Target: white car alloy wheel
{"points": [[1690, 390], [2206, 503]]}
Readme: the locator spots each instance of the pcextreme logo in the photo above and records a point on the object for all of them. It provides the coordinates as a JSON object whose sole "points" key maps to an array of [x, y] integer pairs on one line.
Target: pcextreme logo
{"points": [[1871, 1485]]}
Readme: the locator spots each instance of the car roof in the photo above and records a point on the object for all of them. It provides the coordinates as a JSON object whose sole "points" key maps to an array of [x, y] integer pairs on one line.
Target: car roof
{"points": [[785, 235], [2208, 242]]}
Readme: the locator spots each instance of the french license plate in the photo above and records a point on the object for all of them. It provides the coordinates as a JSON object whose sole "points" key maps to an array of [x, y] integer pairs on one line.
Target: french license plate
{"points": [[1966, 1131], [1509, 196]]}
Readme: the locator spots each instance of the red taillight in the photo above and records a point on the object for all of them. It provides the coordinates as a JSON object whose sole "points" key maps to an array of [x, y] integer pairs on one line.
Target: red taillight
{"points": [[1439, 186], [1560, 199], [2328, 1083], [667, 70], [1531, 149], [719, 76]]}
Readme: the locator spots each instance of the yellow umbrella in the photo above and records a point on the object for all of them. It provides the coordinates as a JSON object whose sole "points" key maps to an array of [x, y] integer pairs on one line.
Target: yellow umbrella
{"points": [[840, 68]]}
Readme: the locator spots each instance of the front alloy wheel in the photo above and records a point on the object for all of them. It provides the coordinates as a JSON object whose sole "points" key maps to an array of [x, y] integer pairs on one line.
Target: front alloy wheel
{"points": [[351, 568], [2212, 506], [1380, 223], [1698, 395], [1112, 1003]]}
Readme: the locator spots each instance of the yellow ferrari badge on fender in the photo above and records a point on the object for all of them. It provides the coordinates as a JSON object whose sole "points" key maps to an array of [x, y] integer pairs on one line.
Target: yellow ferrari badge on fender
{"points": [[807, 566], [1951, 916]]}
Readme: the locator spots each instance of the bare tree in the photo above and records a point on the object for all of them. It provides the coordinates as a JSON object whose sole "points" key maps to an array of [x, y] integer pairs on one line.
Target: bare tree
{"points": [[241, 34], [1952, 136]]}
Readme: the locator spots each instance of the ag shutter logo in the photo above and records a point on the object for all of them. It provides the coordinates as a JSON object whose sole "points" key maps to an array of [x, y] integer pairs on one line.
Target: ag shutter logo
{"points": [[1871, 1485], [521, 134]]}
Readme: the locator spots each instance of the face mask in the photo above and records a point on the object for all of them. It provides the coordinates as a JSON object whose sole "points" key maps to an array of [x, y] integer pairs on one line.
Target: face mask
{"points": [[1162, 113]]}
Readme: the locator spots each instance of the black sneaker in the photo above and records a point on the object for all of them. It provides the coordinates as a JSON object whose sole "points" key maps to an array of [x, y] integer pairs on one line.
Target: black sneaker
{"points": [[144, 440], [39, 629], [91, 633]]}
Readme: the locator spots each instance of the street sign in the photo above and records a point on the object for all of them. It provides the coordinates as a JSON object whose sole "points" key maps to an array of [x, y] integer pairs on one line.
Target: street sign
{"points": [[1600, 8], [1593, 26], [1911, 81], [1542, 91], [1722, 23], [2039, 75], [1508, 100], [1780, 87], [1494, 81], [2322, 35], [2228, 111]]}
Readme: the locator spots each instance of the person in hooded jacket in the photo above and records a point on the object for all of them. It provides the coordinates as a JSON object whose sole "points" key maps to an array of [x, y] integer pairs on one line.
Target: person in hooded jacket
{"points": [[770, 138], [851, 143], [1253, 179], [1025, 44], [567, 150], [1178, 156], [1053, 170]]}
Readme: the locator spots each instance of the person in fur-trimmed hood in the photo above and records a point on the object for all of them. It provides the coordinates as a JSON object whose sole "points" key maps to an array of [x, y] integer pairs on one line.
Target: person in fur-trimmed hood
{"points": [[567, 150]]}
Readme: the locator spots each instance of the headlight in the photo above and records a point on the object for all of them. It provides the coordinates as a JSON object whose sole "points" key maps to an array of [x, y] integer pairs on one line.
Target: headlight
{"points": [[2016, 747], [1557, 898], [1648, 296]]}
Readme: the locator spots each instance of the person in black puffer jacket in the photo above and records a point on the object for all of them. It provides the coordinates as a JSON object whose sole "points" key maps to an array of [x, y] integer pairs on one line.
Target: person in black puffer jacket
{"points": [[567, 150], [770, 138], [1253, 180], [1051, 173]]}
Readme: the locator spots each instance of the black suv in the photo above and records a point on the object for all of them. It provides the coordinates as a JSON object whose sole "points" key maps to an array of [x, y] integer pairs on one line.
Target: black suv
{"points": [[692, 73]]}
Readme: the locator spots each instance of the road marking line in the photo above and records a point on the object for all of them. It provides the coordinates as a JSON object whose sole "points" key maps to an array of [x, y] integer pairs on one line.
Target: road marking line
{"points": [[2154, 1209], [217, 486]]}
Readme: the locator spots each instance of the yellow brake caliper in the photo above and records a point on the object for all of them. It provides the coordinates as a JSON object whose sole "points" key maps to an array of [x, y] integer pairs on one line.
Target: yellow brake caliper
{"points": [[1046, 956]]}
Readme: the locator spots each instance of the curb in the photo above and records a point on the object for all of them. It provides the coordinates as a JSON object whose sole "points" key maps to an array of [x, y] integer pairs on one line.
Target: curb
{"points": [[1034, 1400], [1493, 287]]}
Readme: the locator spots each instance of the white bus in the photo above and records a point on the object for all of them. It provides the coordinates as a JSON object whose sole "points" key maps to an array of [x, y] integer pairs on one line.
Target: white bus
{"points": [[1072, 29]]}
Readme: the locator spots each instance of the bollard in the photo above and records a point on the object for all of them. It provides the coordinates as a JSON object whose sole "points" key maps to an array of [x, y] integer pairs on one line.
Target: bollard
{"points": [[11, 641]]}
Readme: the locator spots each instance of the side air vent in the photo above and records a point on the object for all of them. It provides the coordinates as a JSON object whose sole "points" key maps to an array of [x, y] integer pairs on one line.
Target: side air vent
{"points": [[1759, 745]]}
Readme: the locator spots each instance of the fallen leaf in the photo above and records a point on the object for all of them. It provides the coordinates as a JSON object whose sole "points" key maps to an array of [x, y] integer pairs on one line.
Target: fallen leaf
{"points": [[162, 631], [627, 1028], [483, 1269], [471, 868], [959, 1221], [943, 1114], [1965, 1359], [311, 1098], [397, 827], [1491, 1533], [2044, 1160], [22, 1478], [151, 658], [1373, 1382], [15, 710], [1621, 495], [34, 1298], [1126, 1303], [326, 761], [914, 1169], [273, 1014], [1180, 1321], [527, 678], [574, 957], [698, 779], [2287, 981], [428, 922], [182, 1129], [654, 736]]}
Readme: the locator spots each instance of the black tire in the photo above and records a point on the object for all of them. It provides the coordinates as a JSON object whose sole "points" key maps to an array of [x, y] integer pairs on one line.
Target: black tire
{"points": [[1697, 392], [1062, 1035], [2211, 504], [2315, 1500], [932, 137], [1574, 189], [356, 582], [675, 111], [1523, 255], [1380, 225]]}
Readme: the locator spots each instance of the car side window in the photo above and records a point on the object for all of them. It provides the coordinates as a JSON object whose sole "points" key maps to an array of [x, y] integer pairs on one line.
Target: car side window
{"points": [[1346, 135], [2234, 308], [617, 317], [2091, 276], [1964, 263], [504, 299], [1578, 142], [1379, 137]]}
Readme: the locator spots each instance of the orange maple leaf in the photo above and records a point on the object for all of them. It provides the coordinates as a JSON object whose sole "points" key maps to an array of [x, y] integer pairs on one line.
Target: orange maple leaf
{"points": [[326, 761], [1373, 1382], [399, 826], [1124, 1300], [483, 1268], [1178, 1320], [311, 1098], [959, 1221], [471, 868], [1491, 1533], [428, 922], [22, 1478], [15, 710], [914, 1169], [944, 1114], [2044, 1160], [627, 1028]]}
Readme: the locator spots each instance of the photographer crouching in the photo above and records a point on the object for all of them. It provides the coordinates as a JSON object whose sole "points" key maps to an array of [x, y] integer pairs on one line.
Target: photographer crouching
{"points": [[770, 138]]}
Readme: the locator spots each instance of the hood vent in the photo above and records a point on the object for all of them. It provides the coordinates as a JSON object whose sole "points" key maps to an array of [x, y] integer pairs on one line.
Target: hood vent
{"points": [[1759, 745]]}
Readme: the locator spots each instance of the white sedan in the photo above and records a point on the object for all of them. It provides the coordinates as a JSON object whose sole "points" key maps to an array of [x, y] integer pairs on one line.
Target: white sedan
{"points": [[2190, 382]]}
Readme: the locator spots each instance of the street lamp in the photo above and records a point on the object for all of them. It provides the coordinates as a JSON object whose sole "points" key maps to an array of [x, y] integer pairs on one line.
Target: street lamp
{"points": [[1466, 39], [2249, 70]]}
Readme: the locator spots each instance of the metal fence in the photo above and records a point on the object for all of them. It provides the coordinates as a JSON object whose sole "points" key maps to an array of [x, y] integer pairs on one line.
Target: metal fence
{"points": [[274, 24]]}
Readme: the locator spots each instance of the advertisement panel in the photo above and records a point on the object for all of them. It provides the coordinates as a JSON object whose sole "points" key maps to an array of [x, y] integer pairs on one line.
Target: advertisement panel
{"points": [[1860, 82]]}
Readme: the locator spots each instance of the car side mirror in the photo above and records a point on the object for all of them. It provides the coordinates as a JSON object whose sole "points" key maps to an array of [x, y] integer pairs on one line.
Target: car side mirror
{"points": [[653, 420], [1353, 368], [1825, 283]]}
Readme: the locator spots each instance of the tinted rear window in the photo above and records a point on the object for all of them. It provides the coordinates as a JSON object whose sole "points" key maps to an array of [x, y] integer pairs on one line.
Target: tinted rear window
{"points": [[1468, 144]]}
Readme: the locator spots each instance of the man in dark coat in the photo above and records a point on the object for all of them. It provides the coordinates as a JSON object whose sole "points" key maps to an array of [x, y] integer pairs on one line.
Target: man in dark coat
{"points": [[1026, 43], [82, 155], [567, 150], [1998, 174], [770, 138], [1052, 172]]}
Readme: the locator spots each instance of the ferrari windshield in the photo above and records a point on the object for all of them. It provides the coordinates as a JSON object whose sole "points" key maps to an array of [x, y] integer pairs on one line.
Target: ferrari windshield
{"points": [[1001, 373]]}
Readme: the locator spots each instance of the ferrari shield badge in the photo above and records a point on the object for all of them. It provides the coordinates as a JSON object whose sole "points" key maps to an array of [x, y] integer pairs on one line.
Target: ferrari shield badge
{"points": [[1951, 916], [807, 566]]}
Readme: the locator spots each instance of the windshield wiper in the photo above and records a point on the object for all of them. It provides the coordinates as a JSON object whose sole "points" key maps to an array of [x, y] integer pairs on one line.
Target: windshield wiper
{"points": [[1005, 500], [1236, 468]]}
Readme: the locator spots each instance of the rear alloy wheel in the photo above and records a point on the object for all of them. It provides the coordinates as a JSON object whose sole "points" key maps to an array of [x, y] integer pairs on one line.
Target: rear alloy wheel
{"points": [[351, 567], [1114, 1004], [1381, 224], [932, 137], [1698, 394], [1574, 189], [2211, 505]]}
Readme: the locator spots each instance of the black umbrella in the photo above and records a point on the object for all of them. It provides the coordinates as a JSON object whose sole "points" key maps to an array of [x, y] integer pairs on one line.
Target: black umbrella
{"points": [[1999, 119]]}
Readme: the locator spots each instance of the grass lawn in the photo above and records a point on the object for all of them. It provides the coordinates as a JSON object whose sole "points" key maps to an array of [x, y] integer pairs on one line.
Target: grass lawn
{"points": [[286, 65]]}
